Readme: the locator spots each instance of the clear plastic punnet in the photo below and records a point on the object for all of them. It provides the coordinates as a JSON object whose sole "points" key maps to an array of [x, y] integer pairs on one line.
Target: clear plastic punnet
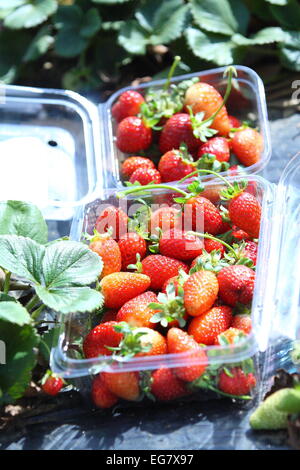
{"points": [[65, 358], [247, 102]]}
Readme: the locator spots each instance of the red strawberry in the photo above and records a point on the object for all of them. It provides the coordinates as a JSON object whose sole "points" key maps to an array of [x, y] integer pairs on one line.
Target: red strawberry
{"points": [[109, 251], [175, 165], [180, 245], [192, 365], [52, 385], [204, 215], [173, 280], [177, 130], [237, 383], [133, 163], [250, 251], [128, 104], [229, 336], [239, 234], [225, 227], [242, 322], [236, 284], [202, 97], [101, 395], [157, 341], [109, 315], [210, 245], [112, 217], [98, 338], [130, 245], [133, 135], [123, 384], [165, 218], [200, 292], [245, 212], [235, 123], [145, 176], [136, 311], [217, 146], [206, 327], [118, 288], [160, 268], [166, 386], [247, 145]]}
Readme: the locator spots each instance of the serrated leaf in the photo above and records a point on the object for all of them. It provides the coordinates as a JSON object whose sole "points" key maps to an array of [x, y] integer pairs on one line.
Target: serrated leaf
{"points": [[70, 299], [20, 357], [241, 14], [133, 37], [215, 16], [49, 340], [68, 263], [211, 47], [39, 45], [22, 218], [290, 50], [264, 36], [287, 16], [30, 14], [14, 312]]}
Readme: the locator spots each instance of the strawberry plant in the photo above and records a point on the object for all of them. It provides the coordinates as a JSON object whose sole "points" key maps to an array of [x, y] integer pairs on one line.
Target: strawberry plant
{"points": [[38, 276]]}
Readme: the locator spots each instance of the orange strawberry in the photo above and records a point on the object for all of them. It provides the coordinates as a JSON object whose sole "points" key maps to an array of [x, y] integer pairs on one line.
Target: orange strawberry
{"points": [[131, 244], [118, 288], [229, 336], [103, 335], [193, 365], [166, 386], [160, 268], [200, 292], [109, 251], [164, 218], [206, 327], [136, 311], [242, 322], [150, 337], [247, 145], [112, 217], [123, 384], [101, 395]]}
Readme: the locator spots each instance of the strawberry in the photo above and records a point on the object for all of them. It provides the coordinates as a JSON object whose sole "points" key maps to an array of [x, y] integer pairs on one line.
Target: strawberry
{"points": [[177, 130], [133, 135], [101, 395], [175, 164], [217, 146], [110, 253], [157, 342], [133, 163], [235, 123], [229, 336], [245, 212], [112, 217], [180, 245], [242, 322], [250, 251], [118, 288], [205, 217], [236, 284], [128, 104], [98, 338], [166, 386], [136, 312], [145, 176], [194, 362], [206, 327], [165, 218], [123, 384], [202, 97], [247, 145], [52, 384], [239, 234], [210, 245], [237, 383], [200, 292], [160, 268], [130, 245], [109, 315]]}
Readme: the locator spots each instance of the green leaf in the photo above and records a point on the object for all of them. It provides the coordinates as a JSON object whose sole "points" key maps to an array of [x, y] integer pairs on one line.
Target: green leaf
{"points": [[6, 298], [14, 312], [212, 47], [30, 14], [264, 36], [278, 2], [70, 299], [241, 14], [110, 2], [49, 340], [91, 23], [22, 256], [215, 16], [290, 50], [20, 343], [68, 263], [13, 46], [287, 16], [133, 37], [11, 4], [39, 45], [22, 218]]}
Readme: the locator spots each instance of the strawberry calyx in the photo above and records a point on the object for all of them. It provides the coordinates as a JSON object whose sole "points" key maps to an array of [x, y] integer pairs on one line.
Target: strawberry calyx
{"points": [[223, 340], [139, 221], [171, 305], [241, 309], [239, 257], [98, 236], [212, 261], [184, 154], [145, 383], [233, 190], [49, 374], [208, 161], [211, 237], [130, 344], [137, 267], [154, 239]]}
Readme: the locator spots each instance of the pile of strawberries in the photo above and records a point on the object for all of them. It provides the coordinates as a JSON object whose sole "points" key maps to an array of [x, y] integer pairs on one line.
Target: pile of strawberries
{"points": [[187, 126], [170, 292]]}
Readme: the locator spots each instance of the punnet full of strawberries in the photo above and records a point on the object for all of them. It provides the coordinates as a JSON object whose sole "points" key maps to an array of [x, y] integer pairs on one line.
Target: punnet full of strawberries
{"points": [[170, 131], [178, 282]]}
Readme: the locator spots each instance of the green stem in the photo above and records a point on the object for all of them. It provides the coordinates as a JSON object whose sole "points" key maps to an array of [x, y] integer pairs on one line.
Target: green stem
{"points": [[36, 313], [139, 189], [171, 71], [206, 171], [32, 303], [211, 237], [240, 397], [6, 282]]}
